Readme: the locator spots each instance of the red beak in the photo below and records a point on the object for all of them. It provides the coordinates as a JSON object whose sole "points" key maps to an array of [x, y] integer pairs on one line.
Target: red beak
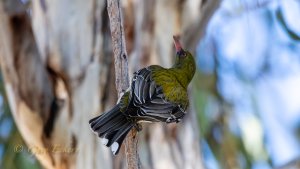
{"points": [[177, 43]]}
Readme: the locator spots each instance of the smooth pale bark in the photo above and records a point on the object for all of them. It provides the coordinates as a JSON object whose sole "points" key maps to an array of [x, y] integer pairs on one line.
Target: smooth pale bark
{"points": [[55, 78], [58, 70]]}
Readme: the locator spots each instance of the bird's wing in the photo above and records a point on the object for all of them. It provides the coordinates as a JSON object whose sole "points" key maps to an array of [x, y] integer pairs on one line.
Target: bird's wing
{"points": [[149, 98]]}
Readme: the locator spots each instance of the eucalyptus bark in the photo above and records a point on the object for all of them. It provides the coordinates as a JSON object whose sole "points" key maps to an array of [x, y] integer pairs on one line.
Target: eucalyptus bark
{"points": [[55, 78], [121, 70], [57, 64]]}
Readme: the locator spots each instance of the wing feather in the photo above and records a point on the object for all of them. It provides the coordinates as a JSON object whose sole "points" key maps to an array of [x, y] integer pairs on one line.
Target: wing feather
{"points": [[150, 100]]}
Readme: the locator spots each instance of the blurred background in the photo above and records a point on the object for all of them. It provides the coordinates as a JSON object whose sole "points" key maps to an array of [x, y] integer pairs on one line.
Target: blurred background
{"points": [[246, 92], [251, 55]]}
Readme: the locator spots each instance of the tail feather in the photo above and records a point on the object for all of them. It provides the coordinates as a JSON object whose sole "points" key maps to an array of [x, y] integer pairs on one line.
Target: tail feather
{"points": [[112, 127], [96, 122], [113, 137], [119, 137]]}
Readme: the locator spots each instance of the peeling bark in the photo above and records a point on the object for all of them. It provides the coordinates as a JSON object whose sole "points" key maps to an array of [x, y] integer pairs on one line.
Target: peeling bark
{"points": [[51, 66], [58, 70]]}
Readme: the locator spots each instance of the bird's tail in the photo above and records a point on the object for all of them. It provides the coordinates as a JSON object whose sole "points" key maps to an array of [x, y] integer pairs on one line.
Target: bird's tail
{"points": [[112, 127]]}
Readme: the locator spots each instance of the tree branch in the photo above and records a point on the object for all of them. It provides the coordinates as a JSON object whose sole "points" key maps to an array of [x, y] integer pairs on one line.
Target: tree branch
{"points": [[121, 69]]}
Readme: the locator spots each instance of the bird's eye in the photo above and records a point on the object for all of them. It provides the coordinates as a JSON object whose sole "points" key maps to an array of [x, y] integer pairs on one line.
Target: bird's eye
{"points": [[181, 53]]}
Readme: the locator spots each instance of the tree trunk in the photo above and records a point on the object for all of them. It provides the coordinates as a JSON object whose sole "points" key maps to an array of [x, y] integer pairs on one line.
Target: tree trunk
{"points": [[57, 62]]}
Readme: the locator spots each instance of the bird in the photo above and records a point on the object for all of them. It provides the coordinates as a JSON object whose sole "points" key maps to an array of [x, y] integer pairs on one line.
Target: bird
{"points": [[156, 94]]}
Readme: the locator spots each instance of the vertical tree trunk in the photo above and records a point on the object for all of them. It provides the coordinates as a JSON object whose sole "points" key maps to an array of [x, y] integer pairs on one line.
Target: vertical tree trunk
{"points": [[55, 77], [56, 59]]}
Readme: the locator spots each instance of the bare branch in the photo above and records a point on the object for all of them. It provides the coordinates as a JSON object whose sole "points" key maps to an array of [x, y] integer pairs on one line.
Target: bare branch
{"points": [[122, 78]]}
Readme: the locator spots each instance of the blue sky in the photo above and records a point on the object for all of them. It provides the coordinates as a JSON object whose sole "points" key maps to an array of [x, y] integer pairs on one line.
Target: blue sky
{"points": [[259, 73]]}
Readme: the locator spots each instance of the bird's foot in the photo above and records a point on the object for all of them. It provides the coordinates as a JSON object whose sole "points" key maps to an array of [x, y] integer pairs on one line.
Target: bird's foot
{"points": [[178, 120], [173, 119]]}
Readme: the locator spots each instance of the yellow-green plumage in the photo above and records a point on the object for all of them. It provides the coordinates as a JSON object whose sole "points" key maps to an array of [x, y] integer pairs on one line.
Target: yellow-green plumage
{"points": [[175, 80], [156, 94]]}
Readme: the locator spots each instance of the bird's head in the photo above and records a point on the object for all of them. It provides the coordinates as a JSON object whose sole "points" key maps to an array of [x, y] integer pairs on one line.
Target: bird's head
{"points": [[184, 60]]}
